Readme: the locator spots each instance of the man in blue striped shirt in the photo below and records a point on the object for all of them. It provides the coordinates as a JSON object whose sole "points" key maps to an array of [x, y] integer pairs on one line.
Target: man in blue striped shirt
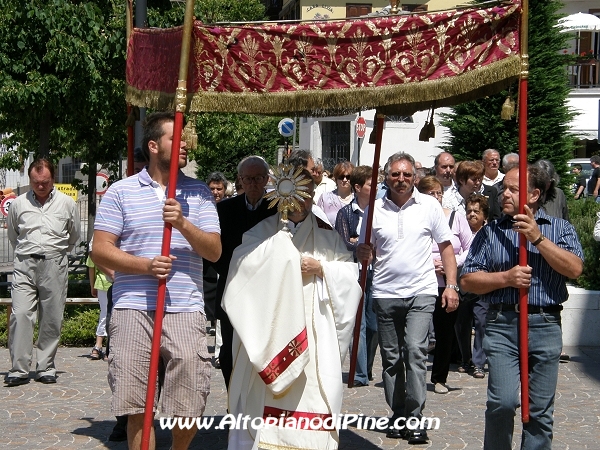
{"points": [[492, 270], [127, 238]]}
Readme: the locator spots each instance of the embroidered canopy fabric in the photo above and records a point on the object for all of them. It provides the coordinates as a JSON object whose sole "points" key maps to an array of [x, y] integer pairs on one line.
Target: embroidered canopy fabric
{"points": [[398, 64]]}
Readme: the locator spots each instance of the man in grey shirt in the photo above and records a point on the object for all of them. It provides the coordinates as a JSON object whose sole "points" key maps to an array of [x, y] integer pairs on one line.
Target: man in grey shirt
{"points": [[43, 225]]}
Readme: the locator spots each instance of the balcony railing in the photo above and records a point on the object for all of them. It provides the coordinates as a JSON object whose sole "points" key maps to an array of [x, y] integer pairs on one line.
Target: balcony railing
{"points": [[584, 74]]}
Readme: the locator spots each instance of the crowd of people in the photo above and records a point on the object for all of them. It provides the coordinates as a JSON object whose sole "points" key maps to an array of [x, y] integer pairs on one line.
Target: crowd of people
{"points": [[279, 289]]}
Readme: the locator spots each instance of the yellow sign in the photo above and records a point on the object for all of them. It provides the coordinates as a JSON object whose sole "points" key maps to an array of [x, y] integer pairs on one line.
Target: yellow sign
{"points": [[68, 190]]}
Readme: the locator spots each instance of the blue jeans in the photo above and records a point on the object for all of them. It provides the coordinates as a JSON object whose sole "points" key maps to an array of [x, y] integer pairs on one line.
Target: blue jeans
{"points": [[404, 322], [501, 347]]}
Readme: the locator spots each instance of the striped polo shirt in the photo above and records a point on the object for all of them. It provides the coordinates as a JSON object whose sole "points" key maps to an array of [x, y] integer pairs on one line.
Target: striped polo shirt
{"points": [[132, 209], [495, 248]]}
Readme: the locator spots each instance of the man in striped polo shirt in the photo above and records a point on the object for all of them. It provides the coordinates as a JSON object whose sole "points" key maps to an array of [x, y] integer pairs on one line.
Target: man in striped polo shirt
{"points": [[127, 238], [492, 270]]}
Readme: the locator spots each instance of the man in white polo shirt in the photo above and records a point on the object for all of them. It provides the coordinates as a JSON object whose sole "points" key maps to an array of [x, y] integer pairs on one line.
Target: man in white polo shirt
{"points": [[405, 224], [128, 238]]}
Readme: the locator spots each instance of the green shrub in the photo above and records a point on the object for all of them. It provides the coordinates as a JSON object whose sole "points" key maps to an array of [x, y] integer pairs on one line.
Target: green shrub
{"points": [[79, 326], [582, 214]]}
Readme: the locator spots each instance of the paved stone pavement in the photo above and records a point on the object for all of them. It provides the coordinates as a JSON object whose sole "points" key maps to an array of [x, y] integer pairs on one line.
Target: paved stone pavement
{"points": [[75, 412]]}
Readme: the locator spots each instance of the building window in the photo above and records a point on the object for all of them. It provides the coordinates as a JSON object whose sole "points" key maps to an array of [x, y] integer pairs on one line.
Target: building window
{"points": [[358, 9], [69, 170], [335, 138]]}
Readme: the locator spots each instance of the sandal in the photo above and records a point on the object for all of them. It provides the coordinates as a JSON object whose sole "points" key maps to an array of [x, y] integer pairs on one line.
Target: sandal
{"points": [[96, 354], [478, 373]]}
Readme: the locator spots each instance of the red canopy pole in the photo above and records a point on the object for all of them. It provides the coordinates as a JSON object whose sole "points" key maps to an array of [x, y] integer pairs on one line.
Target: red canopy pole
{"points": [[130, 139], [523, 188], [180, 106], [130, 129], [363, 272]]}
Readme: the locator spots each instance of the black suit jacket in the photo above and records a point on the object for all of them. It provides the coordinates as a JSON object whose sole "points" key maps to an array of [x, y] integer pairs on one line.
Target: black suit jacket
{"points": [[493, 201], [235, 219]]}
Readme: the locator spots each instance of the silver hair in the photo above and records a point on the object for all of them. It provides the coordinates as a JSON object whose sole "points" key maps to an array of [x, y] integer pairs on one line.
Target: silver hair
{"points": [[488, 151], [401, 156], [253, 159], [548, 167], [508, 160]]}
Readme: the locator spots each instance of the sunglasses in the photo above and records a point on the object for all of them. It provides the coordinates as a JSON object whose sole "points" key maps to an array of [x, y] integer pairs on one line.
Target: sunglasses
{"points": [[344, 177]]}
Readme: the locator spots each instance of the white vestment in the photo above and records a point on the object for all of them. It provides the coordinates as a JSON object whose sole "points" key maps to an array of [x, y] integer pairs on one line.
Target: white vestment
{"points": [[291, 333]]}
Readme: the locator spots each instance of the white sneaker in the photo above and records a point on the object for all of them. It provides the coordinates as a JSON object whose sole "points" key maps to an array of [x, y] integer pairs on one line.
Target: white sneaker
{"points": [[440, 388]]}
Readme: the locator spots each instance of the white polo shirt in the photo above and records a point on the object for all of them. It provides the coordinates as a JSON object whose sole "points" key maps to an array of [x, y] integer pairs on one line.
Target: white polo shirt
{"points": [[403, 240]]}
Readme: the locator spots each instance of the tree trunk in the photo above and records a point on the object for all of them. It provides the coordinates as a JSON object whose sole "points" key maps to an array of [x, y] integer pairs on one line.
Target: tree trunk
{"points": [[44, 150], [91, 194]]}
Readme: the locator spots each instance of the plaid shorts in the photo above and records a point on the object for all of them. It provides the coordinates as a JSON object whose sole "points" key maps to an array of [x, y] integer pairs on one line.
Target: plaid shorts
{"points": [[184, 369]]}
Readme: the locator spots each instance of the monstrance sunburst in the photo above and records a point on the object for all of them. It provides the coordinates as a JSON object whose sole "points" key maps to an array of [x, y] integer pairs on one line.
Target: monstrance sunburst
{"points": [[290, 188]]}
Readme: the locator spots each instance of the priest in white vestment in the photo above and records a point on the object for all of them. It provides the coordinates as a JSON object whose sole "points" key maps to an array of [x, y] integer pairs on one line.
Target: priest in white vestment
{"points": [[292, 298]]}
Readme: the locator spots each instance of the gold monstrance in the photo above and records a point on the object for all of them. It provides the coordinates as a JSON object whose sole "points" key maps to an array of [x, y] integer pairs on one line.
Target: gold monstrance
{"points": [[289, 188]]}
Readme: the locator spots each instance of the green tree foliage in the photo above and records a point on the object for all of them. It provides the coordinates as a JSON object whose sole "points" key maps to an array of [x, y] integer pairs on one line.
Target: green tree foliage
{"points": [[582, 214], [62, 78], [224, 139], [476, 126], [165, 13]]}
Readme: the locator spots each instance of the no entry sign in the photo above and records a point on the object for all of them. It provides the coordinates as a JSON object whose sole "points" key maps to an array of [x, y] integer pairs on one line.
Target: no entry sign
{"points": [[361, 127]]}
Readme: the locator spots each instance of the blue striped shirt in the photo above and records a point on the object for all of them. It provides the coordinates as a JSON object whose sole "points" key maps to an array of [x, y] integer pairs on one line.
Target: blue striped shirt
{"points": [[132, 210], [496, 249]]}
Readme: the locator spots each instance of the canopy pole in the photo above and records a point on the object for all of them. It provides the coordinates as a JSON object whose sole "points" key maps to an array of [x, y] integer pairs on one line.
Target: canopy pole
{"points": [[365, 264], [180, 106], [130, 130], [523, 188]]}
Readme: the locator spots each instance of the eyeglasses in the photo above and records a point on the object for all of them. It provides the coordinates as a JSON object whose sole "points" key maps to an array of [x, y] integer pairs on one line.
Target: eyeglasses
{"points": [[344, 177], [397, 174], [257, 179], [436, 194]]}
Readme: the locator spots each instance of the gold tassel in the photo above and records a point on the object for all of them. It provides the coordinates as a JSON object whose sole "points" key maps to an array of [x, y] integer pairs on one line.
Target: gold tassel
{"points": [[134, 115], [189, 134], [431, 126], [428, 130], [508, 109], [423, 133], [373, 135]]}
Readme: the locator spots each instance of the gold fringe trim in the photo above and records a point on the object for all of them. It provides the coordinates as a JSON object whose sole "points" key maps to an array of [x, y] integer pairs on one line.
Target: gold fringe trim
{"points": [[399, 99]]}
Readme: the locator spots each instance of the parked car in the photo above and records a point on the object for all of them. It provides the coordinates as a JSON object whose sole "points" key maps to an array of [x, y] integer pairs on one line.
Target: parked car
{"points": [[586, 168]]}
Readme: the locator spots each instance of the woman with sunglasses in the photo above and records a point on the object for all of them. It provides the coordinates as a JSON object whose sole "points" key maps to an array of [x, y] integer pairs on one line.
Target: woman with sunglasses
{"points": [[443, 322], [331, 202]]}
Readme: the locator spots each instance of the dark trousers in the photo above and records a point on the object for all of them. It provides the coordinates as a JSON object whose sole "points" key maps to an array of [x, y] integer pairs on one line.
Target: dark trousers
{"points": [[443, 324], [225, 356], [463, 328]]}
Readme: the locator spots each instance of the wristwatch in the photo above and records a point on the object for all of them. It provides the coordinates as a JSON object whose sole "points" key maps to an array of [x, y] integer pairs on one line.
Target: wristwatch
{"points": [[453, 286]]}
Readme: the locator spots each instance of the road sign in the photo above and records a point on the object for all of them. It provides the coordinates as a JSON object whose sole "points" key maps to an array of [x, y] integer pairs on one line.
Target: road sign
{"points": [[361, 127], [286, 127], [67, 189], [6, 204], [101, 183]]}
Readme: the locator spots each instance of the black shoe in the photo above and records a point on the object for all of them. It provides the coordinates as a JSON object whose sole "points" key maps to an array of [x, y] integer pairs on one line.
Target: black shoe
{"points": [[359, 384], [397, 434], [15, 381], [417, 437], [119, 432], [46, 379]]}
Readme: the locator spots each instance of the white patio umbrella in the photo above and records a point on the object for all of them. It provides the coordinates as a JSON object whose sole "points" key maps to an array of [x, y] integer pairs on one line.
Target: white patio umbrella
{"points": [[579, 22]]}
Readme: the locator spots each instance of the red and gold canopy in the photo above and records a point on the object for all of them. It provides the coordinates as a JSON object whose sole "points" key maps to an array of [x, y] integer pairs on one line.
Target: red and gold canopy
{"points": [[398, 64]]}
